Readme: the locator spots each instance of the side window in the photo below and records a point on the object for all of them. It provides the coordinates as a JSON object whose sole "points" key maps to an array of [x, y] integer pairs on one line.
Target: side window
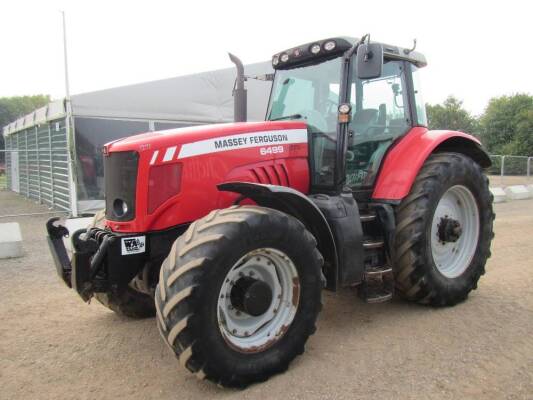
{"points": [[380, 114], [419, 101]]}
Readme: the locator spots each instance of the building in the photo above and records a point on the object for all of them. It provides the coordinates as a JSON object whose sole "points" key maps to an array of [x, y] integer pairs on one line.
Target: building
{"points": [[53, 155]]}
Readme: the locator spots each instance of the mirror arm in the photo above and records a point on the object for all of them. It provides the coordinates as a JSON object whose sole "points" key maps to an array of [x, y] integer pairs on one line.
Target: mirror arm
{"points": [[353, 49]]}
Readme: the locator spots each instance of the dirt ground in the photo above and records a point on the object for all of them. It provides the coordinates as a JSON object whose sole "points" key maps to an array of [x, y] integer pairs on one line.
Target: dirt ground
{"points": [[53, 346]]}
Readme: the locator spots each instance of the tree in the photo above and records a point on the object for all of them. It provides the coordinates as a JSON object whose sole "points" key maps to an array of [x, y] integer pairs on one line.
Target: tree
{"points": [[12, 108], [507, 125], [451, 115]]}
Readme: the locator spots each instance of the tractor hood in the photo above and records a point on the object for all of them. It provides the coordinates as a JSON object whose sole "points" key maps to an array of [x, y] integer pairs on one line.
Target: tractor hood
{"points": [[174, 144], [158, 180]]}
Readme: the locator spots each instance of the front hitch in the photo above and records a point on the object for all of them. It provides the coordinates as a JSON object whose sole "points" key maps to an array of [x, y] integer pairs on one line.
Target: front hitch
{"points": [[87, 257], [58, 250]]}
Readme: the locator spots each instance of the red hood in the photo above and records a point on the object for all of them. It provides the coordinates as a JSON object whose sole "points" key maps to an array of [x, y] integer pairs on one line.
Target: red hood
{"points": [[172, 137]]}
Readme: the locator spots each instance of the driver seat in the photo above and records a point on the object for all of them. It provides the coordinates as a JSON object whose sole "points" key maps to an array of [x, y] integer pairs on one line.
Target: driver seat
{"points": [[361, 122]]}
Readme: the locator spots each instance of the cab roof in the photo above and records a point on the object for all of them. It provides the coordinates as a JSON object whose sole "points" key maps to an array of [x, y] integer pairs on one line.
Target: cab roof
{"points": [[302, 55]]}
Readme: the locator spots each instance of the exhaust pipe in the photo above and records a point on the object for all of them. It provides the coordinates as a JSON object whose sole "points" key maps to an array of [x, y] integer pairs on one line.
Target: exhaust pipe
{"points": [[239, 92]]}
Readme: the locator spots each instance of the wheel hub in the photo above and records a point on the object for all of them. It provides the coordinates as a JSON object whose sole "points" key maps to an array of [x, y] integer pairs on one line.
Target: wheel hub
{"points": [[455, 231], [251, 296], [258, 300], [449, 230]]}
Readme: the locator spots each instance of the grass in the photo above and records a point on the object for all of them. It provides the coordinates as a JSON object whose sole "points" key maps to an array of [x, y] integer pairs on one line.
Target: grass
{"points": [[3, 182]]}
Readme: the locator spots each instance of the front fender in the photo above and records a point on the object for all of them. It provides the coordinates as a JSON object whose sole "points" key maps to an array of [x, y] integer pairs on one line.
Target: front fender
{"points": [[298, 205], [404, 160]]}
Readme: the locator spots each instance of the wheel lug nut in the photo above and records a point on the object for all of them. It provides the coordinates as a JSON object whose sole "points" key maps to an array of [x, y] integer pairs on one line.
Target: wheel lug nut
{"points": [[246, 333], [252, 273], [234, 331]]}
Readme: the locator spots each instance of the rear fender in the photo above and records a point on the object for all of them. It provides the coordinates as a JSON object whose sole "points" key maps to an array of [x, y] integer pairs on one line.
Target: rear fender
{"points": [[403, 162], [298, 205]]}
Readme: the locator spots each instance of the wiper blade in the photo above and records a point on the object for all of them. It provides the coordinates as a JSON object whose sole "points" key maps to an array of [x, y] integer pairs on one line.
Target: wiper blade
{"points": [[293, 116]]}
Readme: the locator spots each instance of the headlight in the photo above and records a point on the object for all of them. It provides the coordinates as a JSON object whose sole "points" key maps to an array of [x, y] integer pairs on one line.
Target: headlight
{"points": [[330, 45], [284, 57], [315, 48], [275, 60], [120, 207]]}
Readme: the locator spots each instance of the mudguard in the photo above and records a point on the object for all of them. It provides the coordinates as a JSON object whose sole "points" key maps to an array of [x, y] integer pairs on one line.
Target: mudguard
{"points": [[403, 161], [298, 205]]}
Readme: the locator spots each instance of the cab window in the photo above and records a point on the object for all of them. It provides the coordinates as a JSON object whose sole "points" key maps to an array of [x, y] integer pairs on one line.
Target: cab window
{"points": [[379, 114], [311, 93]]}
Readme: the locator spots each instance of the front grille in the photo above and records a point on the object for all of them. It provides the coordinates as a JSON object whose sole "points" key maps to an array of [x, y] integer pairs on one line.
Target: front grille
{"points": [[120, 175]]}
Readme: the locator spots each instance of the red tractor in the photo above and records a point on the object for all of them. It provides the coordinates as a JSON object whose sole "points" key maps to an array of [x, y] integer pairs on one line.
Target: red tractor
{"points": [[228, 233]]}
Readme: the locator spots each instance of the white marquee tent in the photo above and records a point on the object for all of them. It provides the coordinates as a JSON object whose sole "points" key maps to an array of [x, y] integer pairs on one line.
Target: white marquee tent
{"points": [[53, 154]]}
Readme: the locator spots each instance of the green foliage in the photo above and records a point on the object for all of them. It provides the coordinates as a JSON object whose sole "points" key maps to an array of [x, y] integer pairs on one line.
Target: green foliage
{"points": [[12, 108], [507, 125], [451, 115]]}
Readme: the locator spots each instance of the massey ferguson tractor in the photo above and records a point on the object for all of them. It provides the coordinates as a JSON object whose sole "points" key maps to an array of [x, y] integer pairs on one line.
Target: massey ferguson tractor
{"points": [[228, 233]]}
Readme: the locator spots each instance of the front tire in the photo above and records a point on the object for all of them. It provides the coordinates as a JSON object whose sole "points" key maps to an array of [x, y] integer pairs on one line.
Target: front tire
{"points": [[221, 256], [444, 231]]}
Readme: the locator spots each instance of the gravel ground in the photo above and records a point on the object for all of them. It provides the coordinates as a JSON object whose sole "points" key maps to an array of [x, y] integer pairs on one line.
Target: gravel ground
{"points": [[53, 346]]}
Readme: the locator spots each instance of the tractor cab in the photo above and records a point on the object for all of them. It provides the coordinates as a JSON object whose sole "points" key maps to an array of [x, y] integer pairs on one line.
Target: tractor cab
{"points": [[353, 113]]}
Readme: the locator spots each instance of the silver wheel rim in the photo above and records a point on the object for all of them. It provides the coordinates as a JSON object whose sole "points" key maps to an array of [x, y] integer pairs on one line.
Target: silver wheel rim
{"points": [[453, 258], [252, 334]]}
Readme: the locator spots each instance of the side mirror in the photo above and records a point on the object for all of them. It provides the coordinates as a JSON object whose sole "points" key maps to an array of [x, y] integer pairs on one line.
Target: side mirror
{"points": [[369, 61]]}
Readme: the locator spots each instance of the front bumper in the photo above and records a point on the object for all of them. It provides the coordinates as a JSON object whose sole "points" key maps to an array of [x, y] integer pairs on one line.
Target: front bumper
{"points": [[101, 260]]}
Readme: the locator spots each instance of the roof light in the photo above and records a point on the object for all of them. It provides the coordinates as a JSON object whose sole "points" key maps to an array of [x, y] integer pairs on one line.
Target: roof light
{"points": [[275, 60], [284, 57], [330, 45], [315, 48]]}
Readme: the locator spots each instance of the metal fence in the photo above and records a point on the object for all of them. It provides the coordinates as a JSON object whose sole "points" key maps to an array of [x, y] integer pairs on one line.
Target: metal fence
{"points": [[36, 164], [511, 170]]}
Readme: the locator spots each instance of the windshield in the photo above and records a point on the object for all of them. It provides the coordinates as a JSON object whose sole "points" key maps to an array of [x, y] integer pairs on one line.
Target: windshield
{"points": [[312, 94]]}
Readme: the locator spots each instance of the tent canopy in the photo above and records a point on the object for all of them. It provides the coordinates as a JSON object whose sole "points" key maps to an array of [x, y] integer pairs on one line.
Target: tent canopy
{"points": [[198, 98]]}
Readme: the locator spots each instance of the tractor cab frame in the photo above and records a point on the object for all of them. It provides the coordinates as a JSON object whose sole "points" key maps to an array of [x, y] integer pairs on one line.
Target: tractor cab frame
{"points": [[353, 118]]}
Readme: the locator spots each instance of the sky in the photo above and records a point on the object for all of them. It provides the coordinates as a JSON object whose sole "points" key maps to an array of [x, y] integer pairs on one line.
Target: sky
{"points": [[475, 49]]}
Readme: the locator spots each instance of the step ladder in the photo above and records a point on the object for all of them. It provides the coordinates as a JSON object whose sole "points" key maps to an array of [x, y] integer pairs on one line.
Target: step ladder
{"points": [[378, 279]]}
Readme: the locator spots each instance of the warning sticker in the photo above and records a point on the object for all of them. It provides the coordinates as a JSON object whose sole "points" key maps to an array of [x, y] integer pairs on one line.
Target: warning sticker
{"points": [[133, 245]]}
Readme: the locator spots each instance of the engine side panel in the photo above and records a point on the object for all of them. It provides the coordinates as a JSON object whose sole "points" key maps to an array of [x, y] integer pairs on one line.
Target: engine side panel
{"points": [[404, 160], [204, 166]]}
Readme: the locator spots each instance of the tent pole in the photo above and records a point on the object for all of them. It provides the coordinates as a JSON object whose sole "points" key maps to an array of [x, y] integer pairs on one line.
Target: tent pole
{"points": [[69, 126]]}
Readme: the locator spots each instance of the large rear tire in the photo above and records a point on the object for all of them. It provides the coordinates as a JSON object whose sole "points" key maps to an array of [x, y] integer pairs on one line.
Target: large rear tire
{"points": [[126, 301], [239, 294], [444, 231]]}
